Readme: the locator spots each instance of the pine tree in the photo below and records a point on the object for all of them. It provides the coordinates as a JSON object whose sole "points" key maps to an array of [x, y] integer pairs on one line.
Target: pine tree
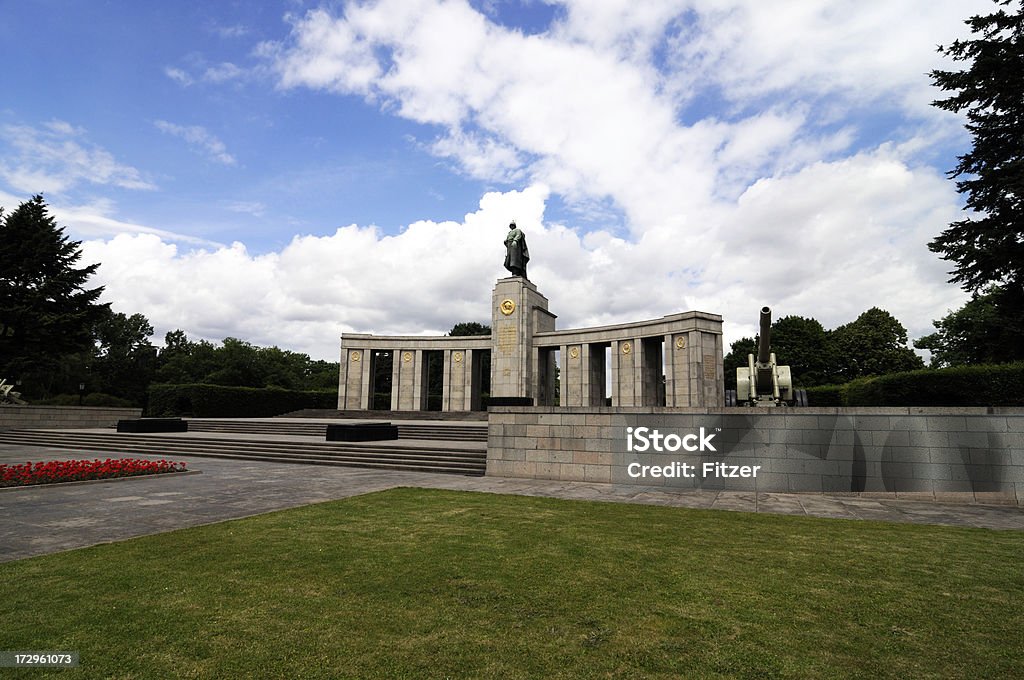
{"points": [[988, 248], [45, 310]]}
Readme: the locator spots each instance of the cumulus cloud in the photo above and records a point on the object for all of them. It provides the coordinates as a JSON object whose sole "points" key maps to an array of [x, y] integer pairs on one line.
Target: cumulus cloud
{"points": [[600, 107], [434, 274], [56, 156], [729, 136], [199, 139]]}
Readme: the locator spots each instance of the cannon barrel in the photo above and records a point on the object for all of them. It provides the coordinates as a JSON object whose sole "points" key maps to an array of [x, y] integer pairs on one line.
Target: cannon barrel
{"points": [[764, 340]]}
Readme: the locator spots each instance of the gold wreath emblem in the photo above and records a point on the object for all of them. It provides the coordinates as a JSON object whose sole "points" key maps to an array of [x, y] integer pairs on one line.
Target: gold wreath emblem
{"points": [[626, 348], [407, 357], [457, 357], [507, 306], [574, 352], [681, 342], [357, 356]]}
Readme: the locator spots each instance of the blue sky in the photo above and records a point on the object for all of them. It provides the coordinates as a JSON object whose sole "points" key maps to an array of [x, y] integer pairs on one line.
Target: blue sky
{"points": [[287, 171]]}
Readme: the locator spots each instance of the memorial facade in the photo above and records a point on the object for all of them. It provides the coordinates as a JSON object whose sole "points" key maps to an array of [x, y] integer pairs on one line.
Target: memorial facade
{"points": [[674, 361]]}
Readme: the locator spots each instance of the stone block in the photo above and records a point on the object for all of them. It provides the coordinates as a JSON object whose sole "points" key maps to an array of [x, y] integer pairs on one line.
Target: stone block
{"points": [[584, 431], [968, 439], [538, 456], [561, 456], [931, 471], [549, 443], [785, 437], [523, 469], [499, 468], [929, 439], [944, 456], [805, 483], [894, 470], [945, 423], [975, 473], [953, 486], [571, 472], [867, 423], [514, 454], [597, 473], [986, 424], [538, 431], [524, 442]]}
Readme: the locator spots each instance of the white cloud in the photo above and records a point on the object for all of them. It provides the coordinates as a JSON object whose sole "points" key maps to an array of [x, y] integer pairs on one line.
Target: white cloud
{"points": [[95, 220], [804, 245], [774, 199], [868, 54], [56, 157], [178, 75], [254, 208], [200, 139], [223, 72]]}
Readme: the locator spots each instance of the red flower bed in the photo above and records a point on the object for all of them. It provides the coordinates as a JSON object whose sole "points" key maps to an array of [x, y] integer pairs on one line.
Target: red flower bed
{"points": [[77, 470]]}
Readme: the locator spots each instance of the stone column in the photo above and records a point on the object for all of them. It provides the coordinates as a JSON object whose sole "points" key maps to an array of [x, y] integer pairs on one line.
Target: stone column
{"points": [[354, 379], [574, 376], [626, 378], [419, 388], [367, 380], [446, 381], [518, 311], [454, 394], [396, 378]]}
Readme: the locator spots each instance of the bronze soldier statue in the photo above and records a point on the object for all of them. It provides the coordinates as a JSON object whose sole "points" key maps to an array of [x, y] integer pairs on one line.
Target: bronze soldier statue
{"points": [[516, 252]]}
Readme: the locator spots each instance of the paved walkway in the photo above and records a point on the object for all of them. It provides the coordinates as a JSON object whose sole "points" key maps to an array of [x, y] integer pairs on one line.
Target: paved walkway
{"points": [[41, 520]]}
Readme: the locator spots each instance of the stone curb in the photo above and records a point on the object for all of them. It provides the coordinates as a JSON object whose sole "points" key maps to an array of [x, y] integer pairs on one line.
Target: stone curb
{"points": [[96, 481]]}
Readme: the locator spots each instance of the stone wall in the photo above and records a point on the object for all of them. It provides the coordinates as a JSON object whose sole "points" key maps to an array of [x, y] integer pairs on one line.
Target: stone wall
{"points": [[65, 417], [965, 454]]}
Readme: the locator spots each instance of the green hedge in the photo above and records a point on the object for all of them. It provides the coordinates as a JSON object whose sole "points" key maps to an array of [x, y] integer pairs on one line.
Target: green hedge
{"points": [[91, 399], [825, 395], [217, 401], [985, 385]]}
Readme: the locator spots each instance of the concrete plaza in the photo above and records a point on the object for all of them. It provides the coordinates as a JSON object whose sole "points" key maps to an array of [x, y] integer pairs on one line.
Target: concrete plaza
{"points": [[47, 519]]}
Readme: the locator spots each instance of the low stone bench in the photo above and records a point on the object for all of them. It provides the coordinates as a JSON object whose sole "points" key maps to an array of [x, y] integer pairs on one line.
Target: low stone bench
{"points": [[366, 432], [153, 425]]}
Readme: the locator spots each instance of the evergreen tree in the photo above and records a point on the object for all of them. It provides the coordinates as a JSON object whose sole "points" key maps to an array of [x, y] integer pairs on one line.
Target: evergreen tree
{"points": [[46, 312], [988, 247]]}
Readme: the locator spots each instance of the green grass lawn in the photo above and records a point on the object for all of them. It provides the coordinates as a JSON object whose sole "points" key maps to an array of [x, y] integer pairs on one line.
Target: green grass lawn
{"points": [[419, 583]]}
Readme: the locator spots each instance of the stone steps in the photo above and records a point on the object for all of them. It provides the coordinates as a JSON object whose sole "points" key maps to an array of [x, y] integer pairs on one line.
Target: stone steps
{"points": [[387, 415], [464, 461], [462, 433]]}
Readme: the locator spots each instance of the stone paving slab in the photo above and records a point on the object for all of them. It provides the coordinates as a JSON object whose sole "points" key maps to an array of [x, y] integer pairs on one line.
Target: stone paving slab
{"points": [[46, 519], [438, 444]]}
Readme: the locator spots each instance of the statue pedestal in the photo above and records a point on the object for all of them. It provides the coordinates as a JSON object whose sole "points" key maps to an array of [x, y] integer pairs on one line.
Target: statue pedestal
{"points": [[518, 311]]}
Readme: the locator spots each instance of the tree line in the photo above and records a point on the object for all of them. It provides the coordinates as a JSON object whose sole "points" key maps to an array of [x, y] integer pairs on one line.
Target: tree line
{"points": [[875, 343], [56, 338]]}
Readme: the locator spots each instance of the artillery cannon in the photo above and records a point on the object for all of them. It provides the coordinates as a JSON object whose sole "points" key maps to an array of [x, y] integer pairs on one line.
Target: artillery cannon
{"points": [[762, 382], [8, 395]]}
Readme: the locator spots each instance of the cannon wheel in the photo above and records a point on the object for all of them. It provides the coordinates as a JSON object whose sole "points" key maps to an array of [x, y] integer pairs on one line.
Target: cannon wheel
{"points": [[730, 397], [801, 398]]}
